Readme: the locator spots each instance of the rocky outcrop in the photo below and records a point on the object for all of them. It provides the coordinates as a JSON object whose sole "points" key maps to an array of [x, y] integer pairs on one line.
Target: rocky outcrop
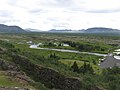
{"points": [[19, 76], [14, 72], [5, 65], [49, 77], [53, 79]]}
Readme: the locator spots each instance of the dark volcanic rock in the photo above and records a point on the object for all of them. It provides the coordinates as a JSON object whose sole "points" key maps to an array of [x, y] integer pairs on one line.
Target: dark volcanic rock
{"points": [[21, 76], [47, 76], [53, 79], [4, 65]]}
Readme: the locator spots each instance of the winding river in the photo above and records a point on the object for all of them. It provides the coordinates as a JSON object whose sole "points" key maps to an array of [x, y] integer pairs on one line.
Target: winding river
{"points": [[72, 51], [64, 50]]}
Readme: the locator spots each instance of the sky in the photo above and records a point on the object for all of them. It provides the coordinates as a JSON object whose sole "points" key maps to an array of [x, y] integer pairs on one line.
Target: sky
{"points": [[60, 14]]}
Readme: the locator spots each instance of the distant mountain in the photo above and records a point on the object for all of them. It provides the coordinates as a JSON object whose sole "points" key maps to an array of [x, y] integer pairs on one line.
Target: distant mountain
{"points": [[101, 30], [11, 29], [17, 29], [89, 30]]}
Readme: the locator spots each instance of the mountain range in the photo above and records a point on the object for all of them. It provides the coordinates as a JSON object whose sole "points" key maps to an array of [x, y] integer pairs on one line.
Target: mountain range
{"points": [[101, 30], [17, 29], [11, 29], [89, 30]]}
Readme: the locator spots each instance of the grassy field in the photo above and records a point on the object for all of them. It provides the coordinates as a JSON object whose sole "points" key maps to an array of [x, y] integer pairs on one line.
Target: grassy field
{"points": [[5, 81], [69, 63], [65, 57]]}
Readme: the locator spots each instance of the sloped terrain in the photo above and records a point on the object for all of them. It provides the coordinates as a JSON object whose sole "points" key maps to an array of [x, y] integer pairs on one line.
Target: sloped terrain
{"points": [[16, 65], [10, 29], [34, 69]]}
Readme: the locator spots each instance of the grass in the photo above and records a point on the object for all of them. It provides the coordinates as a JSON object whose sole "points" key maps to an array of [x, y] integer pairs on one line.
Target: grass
{"points": [[69, 63], [66, 59], [59, 47], [63, 55], [6, 81]]}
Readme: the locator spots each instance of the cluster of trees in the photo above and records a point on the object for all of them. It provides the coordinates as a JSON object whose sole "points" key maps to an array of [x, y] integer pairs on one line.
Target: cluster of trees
{"points": [[84, 46], [52, 44], [6, 44], [9, 46], [53, 55], [86, 68]]}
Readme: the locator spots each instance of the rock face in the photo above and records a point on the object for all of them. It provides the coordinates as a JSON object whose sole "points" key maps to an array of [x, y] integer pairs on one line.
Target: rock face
{"points": [[49, 77], [19, 76], [14, 72], [4, 65], [53, 79]]}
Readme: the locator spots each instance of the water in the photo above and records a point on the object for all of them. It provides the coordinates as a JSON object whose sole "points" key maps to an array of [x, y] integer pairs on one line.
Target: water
{"points": [[63, 50]]}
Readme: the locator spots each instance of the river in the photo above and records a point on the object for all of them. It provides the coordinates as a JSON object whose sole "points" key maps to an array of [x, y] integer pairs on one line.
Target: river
{"points": [[72, 51], [64, 50]]}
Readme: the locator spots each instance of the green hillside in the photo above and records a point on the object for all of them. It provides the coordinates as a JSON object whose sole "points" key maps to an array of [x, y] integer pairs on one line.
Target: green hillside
{"points": [[35, 69]]}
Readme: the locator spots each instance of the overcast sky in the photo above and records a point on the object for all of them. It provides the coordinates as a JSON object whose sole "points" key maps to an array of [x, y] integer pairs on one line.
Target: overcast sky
{"points": [[60, 14]]}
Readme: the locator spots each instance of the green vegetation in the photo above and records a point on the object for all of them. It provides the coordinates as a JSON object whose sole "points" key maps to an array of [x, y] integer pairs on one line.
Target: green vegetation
{"points": [[83, 66], [56, 45], [86, 68], [6, 81], [90, 47], [69, 63]]}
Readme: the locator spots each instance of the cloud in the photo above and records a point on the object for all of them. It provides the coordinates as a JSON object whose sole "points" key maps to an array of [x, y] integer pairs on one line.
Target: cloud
{"points": [[61, 25], [96, 6], [5, 13], [71, 14], [37, 11], [104, 11]]}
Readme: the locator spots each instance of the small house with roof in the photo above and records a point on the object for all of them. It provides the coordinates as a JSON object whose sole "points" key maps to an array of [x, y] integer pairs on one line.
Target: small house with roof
{"points": [[109, 62]]}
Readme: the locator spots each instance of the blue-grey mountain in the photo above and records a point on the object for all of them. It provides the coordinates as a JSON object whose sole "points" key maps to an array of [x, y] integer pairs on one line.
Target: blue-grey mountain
{"points": [[11, 29], [101, 30]]}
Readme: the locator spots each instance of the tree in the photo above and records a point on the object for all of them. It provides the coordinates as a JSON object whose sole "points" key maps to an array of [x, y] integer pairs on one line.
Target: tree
{"points": [[60, 44], [75, 67], [86, 68]]}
